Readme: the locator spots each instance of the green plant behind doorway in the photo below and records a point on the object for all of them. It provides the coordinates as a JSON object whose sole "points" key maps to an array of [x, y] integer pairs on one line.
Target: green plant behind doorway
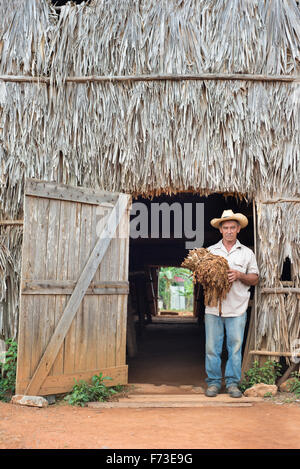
{"points": [[167, 278]]}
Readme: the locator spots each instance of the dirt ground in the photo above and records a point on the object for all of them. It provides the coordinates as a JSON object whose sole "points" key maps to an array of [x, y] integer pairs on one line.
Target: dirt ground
{"points": [[169, 354], [60, 426]]}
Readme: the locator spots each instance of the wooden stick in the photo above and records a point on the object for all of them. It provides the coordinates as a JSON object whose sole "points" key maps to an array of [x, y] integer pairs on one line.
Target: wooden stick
{"points": [[173, 77], [11, 222], [159, 77], [24, 79], [277, 201], [66, 287], [280, 290], [250, 342], [274, 354], [254, 324], [286, 375]]}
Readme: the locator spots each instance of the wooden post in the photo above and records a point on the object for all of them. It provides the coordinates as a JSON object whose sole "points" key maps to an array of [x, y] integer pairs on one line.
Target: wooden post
{"points": [[152, 310], [60, 169], [248, 358], [251, 337], [131, 332], [140, 300], [293, 367]]}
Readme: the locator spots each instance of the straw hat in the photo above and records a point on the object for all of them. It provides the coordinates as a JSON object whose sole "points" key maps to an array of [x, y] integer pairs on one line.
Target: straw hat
{"points": [[228, 215]]}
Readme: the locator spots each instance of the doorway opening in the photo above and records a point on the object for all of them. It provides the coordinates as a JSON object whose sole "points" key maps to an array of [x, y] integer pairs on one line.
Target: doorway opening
{"points": [[164, 345], [175, 292]]}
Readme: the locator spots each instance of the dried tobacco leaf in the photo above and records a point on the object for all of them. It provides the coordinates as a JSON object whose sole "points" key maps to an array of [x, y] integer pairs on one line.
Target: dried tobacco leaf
{"points": [[211, 271]]}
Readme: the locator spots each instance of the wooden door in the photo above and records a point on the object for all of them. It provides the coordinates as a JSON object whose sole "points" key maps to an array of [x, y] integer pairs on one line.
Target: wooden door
{"points": [[74, 287]]}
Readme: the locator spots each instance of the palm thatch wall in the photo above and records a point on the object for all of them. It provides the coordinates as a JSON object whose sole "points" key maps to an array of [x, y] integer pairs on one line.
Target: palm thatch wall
{"points": [[148, 137]]}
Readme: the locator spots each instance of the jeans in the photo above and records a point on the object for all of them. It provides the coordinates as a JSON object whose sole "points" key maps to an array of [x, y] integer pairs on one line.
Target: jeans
{"points": [[214, 332]]}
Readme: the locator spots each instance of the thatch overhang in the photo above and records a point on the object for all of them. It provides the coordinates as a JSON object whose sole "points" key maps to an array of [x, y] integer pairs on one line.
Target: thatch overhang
{"points": [[169, 135]]}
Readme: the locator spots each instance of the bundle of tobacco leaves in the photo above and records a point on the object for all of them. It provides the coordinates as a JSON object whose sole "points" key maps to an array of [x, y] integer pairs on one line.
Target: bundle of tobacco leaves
{"points": [[211, 271]]}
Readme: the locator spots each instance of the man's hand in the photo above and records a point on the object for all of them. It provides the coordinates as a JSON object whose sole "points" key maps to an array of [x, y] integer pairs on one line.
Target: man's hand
{"points": [[233, 275], [247, 279]]}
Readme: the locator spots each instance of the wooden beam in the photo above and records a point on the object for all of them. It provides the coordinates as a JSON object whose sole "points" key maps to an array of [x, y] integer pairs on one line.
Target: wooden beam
{"points": [[52, 190], [280, 290], [293, 367], [66, 287], [131, 343], [157, 77], [277, 201], [274, 354], [73, 304], [11, 222], [58, 384]]}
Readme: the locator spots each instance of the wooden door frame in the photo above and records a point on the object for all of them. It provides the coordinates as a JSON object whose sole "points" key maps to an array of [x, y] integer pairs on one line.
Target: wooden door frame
{"points": [[251, 335]]}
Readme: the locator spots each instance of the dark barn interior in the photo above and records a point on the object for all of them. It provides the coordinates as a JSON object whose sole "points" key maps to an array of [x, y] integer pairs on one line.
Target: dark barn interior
{"points": [[169, 349]]}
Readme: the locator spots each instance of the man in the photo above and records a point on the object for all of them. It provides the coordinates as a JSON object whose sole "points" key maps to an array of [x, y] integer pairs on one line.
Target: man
{"points": [[243, 272]]}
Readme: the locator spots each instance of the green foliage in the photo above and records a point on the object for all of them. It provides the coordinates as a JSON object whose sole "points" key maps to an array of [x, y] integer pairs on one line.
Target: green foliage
{"points": [[267, 374], [84, 392], [8, 373], [166, 279], [294, 385]]}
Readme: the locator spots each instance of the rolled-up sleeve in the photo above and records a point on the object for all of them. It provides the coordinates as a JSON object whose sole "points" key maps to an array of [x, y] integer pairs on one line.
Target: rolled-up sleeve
{"points": [[252, 267]]}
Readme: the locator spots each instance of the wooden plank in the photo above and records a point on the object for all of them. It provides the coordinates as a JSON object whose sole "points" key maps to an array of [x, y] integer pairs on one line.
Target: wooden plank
{"points": [[72, 276], [93, 312], [121, 329], [26, 304], [279, 290], [66, 287], [11, 222], [63, 383], [101, 327], [88, 327], [222, 397], [113, 260], [52, 267], [62, 250], [162, 404], [104, 335], [69, 291], [76, 297], [83, 342], [84, 195], [39, 321], [274, 354], [91, 333]]}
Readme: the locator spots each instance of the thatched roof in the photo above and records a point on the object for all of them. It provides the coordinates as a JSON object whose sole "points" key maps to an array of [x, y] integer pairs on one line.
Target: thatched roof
{"points": [[147, 137]]}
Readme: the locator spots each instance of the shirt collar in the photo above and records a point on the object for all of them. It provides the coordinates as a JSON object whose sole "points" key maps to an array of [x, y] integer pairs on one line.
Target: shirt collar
{"points": [[236, 245]]}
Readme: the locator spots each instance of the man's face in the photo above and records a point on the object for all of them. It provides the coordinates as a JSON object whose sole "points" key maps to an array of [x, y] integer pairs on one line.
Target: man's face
{"points": [[230, 230]]}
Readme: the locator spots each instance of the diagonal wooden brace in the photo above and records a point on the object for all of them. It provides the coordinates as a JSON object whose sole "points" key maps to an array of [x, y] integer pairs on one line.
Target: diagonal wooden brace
{"points": [[79, 291]]}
